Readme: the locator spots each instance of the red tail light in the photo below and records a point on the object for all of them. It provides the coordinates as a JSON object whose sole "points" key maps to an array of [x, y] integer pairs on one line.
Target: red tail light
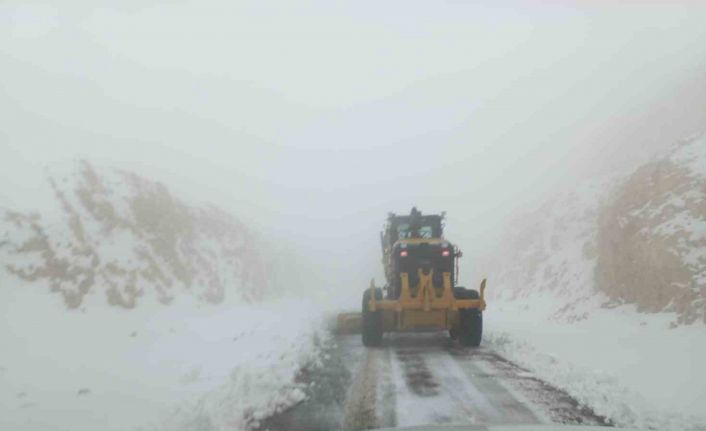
{"points": [[403, 253]]}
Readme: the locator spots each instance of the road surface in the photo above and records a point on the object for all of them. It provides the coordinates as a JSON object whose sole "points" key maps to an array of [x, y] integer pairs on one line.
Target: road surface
{"points": [[416, 379]]}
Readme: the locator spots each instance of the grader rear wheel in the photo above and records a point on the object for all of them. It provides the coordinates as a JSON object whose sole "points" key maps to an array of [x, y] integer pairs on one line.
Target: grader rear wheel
{"points": [[372, 321], [470, 329]]}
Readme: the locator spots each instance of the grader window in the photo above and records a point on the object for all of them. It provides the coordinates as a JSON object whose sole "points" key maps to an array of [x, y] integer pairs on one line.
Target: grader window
{"points": [[403, 232], [426, 232]]}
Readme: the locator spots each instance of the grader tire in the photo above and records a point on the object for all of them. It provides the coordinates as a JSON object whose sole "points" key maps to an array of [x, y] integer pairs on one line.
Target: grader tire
{"points": [[372, 321], [470, 331]]}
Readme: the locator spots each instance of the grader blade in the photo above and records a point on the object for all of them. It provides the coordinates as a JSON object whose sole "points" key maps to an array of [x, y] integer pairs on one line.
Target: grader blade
{"points": [[349, 323]]}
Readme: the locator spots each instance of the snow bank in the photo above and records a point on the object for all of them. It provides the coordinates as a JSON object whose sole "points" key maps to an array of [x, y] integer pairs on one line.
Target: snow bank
{"points": [[182, 366], [627, 366]]}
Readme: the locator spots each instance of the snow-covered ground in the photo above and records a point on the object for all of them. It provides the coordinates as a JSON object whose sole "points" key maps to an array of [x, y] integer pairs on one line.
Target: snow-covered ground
{"points": [[179, 367], [630, 367], [125, 308], [572, 298]]}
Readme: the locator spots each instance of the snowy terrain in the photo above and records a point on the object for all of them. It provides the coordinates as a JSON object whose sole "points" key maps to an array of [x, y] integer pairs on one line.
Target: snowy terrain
{"points": [[630, 367], [179, 367], [602, 292], [122, 236], [133, 310]]}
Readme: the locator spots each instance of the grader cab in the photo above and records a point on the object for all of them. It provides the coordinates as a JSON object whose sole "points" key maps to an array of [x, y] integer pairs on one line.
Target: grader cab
{"points": [[421, 294]]}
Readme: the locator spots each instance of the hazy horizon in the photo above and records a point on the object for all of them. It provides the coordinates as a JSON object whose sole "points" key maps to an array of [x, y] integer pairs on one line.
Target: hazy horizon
{"points": [[310, 123]]}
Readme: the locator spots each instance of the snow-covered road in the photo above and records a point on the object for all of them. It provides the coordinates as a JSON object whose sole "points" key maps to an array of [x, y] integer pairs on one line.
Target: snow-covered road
{"points": [[417, 379]]}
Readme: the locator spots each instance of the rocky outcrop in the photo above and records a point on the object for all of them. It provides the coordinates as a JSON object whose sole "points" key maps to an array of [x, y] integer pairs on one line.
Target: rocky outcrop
{"points": [[638, 239], [652, 236], [126, 237]]}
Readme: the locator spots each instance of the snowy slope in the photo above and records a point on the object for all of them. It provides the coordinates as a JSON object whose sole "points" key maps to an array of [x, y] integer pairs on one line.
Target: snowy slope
{"points": [[652, 236], [123, 237], [552, 252], [635, 240], [601, 291], [133, 310], [181, 367]]}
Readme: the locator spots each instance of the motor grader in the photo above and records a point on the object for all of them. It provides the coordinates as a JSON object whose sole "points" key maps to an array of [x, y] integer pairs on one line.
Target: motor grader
{"points": [[421, 269]]}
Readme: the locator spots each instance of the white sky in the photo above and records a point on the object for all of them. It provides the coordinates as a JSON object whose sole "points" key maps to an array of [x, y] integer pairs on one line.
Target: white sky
{"points": [[312, 121]]}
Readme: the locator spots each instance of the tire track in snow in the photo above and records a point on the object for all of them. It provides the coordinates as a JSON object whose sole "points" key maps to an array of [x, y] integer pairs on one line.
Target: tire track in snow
{"points": [[546, 402], [433, 388], [361, 404], [419, 379], [371, 399]]}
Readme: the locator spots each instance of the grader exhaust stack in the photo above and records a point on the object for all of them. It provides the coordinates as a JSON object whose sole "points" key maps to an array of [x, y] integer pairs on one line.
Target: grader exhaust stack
{"points": [[421, 294]]}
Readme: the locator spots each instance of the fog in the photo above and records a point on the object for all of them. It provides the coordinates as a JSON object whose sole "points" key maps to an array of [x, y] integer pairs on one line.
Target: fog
{"points": [[311, 122]]}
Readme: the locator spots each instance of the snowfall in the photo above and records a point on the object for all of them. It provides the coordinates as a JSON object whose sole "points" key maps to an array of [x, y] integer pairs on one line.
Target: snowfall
{"points": [[191, 365]]}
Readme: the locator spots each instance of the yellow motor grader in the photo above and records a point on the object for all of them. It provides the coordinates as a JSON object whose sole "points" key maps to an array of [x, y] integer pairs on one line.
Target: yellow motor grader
{"points": [[421, 268]]}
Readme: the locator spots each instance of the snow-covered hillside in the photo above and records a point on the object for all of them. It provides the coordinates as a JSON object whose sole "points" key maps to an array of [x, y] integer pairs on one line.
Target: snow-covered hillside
{"points": [[651, 241], [133, 310], [552, 252], [603, 286], [124, 237], [637, 240]]}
